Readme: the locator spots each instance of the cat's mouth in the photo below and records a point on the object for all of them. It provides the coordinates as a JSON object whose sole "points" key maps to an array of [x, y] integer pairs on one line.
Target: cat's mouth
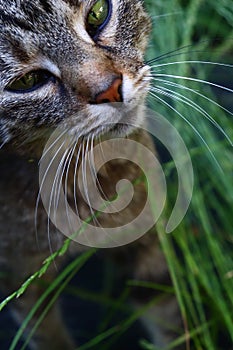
{"points": [[117, 119]]}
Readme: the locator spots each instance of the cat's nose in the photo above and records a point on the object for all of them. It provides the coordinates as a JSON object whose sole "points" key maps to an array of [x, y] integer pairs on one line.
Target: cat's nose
{"points": [[112, 94]]}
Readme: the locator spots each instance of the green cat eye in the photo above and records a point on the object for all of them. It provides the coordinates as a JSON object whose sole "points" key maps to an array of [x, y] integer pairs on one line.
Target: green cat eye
{"points": [[98, 16], [29, 81]]}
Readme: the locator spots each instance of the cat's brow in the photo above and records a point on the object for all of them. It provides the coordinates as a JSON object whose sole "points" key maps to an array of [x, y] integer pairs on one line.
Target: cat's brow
{"points": [[73, 2]]}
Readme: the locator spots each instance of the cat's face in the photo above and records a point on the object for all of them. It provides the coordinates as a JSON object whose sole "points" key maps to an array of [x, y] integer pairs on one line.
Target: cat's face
{"points": [[61, 60]]}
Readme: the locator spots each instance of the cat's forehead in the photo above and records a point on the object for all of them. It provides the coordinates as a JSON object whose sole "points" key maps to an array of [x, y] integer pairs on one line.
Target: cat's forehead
{"points": [[75, 2], [32, 16], [57, 29], [43, 3], [33, 10]]}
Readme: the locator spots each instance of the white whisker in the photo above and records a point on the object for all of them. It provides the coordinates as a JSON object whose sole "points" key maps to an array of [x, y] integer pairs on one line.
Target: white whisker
{"points": [[172, 53], [57, 184], [167, 15], [192, 62], [192, 79], [187, 121], [180, 86], [58, 181], [94, 173], [183, 99], [56, 189], [75, 178], [42, 184], [102, 151], [85, 183], [52, 145], [67, 166], [2, 144]]}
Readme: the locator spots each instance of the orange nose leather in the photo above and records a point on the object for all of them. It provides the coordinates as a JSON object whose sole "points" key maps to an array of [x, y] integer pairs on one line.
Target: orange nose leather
{"points": [[112, 94]]}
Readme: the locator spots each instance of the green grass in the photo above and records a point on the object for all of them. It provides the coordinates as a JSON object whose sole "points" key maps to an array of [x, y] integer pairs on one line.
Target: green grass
{"points": [[203, 273]]}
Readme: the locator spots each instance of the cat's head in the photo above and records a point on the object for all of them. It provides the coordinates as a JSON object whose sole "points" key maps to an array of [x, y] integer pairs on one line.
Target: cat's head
{"points": [[62, 60]]}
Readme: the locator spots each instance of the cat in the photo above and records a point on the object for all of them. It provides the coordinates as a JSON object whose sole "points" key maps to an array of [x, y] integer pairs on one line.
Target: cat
{"points": [[65, 63]]}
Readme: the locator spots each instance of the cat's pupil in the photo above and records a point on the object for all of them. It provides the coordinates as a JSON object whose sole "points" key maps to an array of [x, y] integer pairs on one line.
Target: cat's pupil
{"points": [[97, 17], [29, 81], [98, 13]]}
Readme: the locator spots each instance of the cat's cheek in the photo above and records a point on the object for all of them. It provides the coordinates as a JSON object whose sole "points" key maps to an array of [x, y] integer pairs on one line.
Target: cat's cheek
{"points": [[135, 90]]}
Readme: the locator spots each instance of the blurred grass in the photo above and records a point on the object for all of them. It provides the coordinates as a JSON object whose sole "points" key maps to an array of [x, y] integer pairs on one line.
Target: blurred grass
{"points": [[202, 270]]}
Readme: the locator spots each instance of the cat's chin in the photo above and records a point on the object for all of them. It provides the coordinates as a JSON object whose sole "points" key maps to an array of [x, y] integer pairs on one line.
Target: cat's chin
{"points": [[117, 119]]}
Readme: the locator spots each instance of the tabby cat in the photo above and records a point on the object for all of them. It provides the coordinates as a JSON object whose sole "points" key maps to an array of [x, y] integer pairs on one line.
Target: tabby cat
{"points": [[66, 63]]}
